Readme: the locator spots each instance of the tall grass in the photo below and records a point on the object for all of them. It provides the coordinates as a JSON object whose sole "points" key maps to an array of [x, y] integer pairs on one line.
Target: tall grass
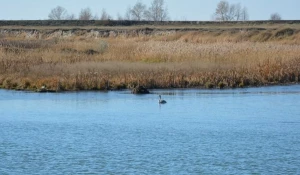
{"points": [[207, 59]]}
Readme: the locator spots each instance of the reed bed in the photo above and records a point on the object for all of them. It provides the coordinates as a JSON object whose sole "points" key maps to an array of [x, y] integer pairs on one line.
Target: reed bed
{"points": [[177, 60]]}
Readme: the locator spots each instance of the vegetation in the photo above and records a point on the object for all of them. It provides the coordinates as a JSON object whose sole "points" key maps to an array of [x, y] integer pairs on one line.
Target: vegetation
{"points": [[275, 17], [230, 12], [165, 58], [156, 12], [58, 13]]}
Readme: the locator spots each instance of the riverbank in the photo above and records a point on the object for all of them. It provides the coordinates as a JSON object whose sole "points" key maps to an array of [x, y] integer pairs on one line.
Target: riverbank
{"points": [[113, 58]]}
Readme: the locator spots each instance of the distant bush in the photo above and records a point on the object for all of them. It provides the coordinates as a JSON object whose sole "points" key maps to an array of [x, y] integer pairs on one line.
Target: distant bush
{"points": [[221, 85], [264, 36], [209, 85], [284, 32]]}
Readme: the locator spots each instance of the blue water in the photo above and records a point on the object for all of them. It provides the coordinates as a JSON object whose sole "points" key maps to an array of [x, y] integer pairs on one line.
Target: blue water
{"points": [[240, 131]]}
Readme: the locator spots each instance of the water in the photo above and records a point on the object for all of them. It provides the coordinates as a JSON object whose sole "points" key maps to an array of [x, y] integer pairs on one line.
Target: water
{"points": [[242, 131]]}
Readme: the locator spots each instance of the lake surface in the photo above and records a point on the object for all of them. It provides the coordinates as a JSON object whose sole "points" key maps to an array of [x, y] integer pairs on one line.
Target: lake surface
{"points": [[240, 131]]}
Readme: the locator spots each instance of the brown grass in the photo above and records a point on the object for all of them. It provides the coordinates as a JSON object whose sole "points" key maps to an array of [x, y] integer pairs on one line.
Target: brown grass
{"points": [[186, 59]]}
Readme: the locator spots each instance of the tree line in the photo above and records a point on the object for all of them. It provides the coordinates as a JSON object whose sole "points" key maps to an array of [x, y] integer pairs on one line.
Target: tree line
{"points": [[235, 12], [157, 11]]}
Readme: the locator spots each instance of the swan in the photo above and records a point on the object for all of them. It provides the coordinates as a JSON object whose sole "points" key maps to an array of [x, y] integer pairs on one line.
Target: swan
{"points": [[160, 101]]}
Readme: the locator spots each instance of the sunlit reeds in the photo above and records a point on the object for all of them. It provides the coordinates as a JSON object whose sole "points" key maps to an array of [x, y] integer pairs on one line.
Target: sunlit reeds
{"points": [[207, 59]]}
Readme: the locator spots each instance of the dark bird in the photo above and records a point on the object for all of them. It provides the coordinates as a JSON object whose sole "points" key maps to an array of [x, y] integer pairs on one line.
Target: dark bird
{"points": [[160, 101]]}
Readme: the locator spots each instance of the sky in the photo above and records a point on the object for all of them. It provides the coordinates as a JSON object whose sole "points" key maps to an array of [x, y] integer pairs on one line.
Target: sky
{"points": [[191, 10]]}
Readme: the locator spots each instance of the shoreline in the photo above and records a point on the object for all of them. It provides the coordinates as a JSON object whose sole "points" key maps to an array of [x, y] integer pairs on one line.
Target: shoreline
{"points": [[130, 90]]}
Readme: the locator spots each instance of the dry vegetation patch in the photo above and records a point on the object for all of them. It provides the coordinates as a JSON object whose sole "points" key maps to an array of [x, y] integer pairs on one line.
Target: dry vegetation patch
{"points": [[183, 59]]}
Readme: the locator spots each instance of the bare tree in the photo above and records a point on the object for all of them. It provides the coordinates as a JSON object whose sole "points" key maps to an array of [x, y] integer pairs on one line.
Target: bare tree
{"points": [[71, 17], [127, 15], [157, 11], [244, 14], [221, 13], [58, 13], [85, 14], [105, 15], [232, 13], [227, 12], [275, 16], [138, 11], [240, 13]]}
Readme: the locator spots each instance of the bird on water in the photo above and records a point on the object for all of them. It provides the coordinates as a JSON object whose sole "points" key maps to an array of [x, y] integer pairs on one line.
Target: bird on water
{"points": [[161, 101]]}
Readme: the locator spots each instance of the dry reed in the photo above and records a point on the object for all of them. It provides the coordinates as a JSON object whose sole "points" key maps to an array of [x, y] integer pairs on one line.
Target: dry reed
{"points": [[208, 59]]}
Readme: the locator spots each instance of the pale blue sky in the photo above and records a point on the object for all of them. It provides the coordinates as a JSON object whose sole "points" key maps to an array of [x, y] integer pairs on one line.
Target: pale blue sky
{"points": [[201, 10]]}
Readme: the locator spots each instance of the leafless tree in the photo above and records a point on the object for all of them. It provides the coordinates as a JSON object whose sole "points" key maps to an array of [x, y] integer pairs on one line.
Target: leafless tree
{"points": [[58, 13], [227, 12], [240, 13], [275, 16], [244, 14], [233, 13], [237, 12], [157, 11], [71, 17], [221, 13], [127, 15], [105, 15], [85, 14], [138, 11]]}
